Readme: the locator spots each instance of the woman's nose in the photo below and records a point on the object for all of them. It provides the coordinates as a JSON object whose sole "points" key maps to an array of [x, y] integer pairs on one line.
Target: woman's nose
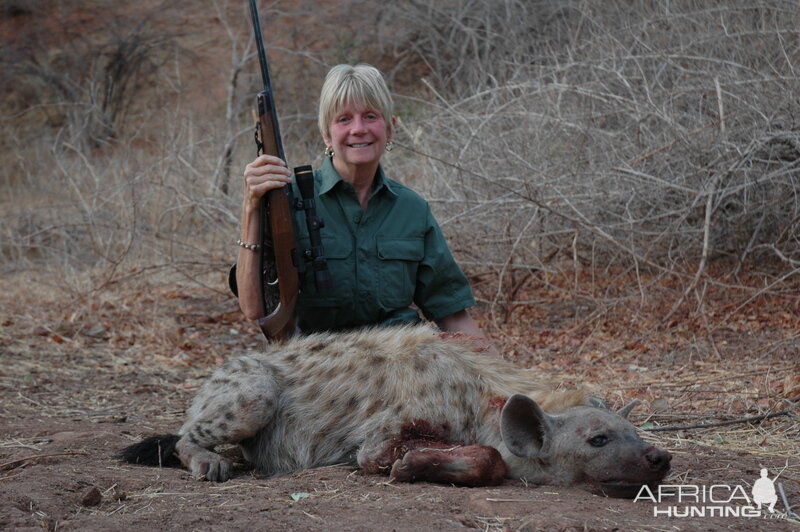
{"points": [[359, 125]]}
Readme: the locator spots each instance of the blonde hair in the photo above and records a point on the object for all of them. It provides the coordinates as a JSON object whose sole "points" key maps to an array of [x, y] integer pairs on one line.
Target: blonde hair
{"points": [[346, 84]]}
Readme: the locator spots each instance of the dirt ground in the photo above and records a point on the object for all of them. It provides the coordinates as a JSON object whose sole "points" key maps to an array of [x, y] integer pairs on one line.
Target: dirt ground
{"points": [[84, 376]]}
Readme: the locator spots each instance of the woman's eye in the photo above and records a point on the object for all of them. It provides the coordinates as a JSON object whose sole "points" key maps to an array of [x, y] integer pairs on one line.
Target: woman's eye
{"points": [[598, 441]]}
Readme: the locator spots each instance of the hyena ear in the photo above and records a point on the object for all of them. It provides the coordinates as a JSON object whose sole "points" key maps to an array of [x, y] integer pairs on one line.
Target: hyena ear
{"points": [[525, 427], [625, 410]]}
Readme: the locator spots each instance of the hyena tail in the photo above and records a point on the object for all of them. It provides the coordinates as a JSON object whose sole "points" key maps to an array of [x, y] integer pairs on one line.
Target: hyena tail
{"points": [[153, 451]]}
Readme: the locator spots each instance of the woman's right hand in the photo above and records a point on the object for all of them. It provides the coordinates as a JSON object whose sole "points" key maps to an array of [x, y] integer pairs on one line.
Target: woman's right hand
{"points": [[265, 173]]}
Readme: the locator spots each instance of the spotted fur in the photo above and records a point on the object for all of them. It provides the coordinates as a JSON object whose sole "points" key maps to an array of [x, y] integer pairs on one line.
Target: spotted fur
{"points": [[403, 401]]}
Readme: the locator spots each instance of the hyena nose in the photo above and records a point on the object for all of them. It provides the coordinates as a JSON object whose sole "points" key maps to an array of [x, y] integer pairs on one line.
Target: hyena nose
{"points": [[657, 459]]}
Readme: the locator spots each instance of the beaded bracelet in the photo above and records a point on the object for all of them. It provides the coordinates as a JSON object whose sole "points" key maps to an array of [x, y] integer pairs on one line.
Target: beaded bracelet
{"points": [[251, 247]]}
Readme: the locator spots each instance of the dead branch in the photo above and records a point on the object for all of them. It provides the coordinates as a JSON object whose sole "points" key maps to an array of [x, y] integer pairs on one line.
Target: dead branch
{"points": [[786, 504], [748, 419], [704, 255]]}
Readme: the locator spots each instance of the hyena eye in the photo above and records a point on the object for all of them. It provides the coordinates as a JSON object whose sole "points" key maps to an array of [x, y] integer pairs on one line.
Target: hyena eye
{"points": [[598, 441]]}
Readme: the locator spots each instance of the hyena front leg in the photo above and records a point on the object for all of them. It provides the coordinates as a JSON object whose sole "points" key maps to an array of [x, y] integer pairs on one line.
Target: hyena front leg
{"points": [[467, 465], [422, 451], [234, 404]]}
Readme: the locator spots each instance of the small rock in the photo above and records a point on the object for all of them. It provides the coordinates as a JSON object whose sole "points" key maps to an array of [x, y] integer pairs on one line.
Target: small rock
{"points": [[91, 497]]}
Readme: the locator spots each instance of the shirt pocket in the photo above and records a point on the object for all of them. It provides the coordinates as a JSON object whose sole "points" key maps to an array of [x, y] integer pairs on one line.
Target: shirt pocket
{"points": [[398, 261]]}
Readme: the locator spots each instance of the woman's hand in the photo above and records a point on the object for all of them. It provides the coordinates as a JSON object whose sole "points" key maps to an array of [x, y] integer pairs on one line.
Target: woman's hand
{"points": [[265, 173], [260, 176], [462, 322]]}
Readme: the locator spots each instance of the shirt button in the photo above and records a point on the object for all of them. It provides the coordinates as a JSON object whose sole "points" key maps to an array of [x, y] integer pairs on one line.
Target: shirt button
{"points": [[356, 219]]}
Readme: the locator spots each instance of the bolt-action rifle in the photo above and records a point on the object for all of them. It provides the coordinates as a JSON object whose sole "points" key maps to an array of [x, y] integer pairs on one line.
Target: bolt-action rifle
{"points": [[281, 262]]}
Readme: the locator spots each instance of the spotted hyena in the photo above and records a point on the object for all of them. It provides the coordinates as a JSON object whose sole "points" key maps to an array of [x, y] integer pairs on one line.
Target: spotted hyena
{"points": [[409, 403]]}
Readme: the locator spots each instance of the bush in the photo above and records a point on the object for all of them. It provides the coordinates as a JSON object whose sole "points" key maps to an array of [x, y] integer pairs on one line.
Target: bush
{"points": [[630, 133]]}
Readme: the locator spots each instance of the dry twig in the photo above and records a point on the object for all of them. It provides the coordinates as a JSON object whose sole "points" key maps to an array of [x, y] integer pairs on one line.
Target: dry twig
{"points": [[16, 463], [748, 419]]}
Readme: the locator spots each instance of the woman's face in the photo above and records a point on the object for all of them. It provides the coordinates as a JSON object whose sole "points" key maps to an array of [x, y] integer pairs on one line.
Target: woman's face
{"points": [[358, 135]]}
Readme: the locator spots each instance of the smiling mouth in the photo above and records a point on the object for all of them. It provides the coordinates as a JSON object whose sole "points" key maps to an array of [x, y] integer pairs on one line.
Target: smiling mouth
{"points": [[362, 145]]}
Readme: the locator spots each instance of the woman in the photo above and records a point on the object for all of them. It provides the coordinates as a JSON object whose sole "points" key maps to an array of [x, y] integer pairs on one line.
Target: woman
{"points": [[384, 249]]}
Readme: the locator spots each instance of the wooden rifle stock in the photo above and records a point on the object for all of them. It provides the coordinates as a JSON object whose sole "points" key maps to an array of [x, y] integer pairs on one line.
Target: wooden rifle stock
{"points": [[277, 226], [277, 270]]}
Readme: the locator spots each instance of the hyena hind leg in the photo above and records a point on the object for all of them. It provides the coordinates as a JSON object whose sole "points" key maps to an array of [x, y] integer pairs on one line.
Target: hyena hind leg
{"points": [[234, 404]]}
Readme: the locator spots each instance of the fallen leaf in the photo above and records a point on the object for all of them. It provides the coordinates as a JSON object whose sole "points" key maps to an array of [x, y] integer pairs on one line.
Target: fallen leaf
{"points": [[96, 331]]}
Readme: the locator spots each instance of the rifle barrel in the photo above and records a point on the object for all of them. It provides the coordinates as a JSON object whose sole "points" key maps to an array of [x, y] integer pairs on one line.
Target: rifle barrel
{"points": [[262, 54]]}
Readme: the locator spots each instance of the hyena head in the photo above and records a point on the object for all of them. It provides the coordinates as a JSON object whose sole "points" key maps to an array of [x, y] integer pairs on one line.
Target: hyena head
{"points": [[585, 446]]}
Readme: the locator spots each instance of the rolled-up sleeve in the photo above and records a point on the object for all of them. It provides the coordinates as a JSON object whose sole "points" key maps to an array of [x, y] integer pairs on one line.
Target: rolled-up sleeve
{"points": [[442, 288]]}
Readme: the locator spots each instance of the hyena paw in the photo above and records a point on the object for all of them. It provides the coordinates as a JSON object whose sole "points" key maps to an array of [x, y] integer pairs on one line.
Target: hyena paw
{"points": [[401, 471], [210, 466]]}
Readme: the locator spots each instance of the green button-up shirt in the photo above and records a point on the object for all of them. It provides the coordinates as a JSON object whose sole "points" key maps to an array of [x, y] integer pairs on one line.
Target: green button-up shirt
{"points": [[382, 260]]}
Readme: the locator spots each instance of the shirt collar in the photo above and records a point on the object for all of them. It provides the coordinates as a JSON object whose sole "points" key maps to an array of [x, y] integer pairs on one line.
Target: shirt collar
{"points": [[329, 178]]}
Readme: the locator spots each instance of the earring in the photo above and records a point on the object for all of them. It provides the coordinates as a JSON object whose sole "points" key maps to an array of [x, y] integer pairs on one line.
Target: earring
{"points": [[389, 146], [328, 151]]}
